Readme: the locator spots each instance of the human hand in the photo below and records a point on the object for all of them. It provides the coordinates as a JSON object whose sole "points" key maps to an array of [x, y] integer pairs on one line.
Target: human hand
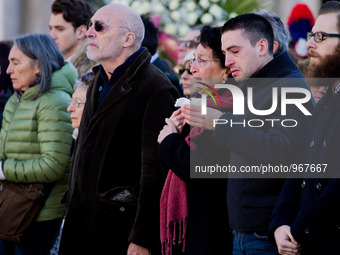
{"points": [[135, 249], [194, 117], [168, 129], [285, 242], [178, 119]]}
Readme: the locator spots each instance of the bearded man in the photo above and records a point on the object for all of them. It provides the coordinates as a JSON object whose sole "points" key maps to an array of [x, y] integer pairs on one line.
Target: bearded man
{"points": [[306, 219]]}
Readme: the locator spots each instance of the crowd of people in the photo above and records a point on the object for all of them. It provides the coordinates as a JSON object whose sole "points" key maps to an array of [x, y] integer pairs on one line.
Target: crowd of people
{"points": [[90, 112]]}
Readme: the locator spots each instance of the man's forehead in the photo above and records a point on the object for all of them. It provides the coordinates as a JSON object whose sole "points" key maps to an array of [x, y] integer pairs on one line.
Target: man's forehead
{"points": [[233, 37], [326, 23]]}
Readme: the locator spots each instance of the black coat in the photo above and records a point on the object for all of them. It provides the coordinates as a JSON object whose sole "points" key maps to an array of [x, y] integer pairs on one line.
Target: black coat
{"points": [[312, 206], [207, 230], [116, 152], [250, 201]]}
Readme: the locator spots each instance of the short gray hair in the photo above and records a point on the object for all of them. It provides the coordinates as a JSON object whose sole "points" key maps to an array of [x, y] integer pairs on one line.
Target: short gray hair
{"points": [[41, 47], [279, 29]]}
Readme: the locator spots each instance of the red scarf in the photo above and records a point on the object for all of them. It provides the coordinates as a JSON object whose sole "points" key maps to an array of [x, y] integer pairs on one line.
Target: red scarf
{"points": [[174, 198]]}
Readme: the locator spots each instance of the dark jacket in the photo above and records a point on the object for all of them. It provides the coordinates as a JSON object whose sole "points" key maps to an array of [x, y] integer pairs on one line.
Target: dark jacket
{"points": [[250, 201], [170, 74], [312, 206], [116, 180], [207, 230]]}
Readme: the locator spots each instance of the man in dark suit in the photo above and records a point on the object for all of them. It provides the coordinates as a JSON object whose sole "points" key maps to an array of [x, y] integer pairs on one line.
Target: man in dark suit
{"points": [[151, 43], [306, 218], [116, 181]]}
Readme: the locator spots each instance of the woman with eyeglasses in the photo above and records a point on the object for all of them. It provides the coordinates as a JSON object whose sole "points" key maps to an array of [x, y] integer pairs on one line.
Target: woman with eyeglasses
{"points": [[36, 135], [78, 100], [194, 218], [75, 109]]}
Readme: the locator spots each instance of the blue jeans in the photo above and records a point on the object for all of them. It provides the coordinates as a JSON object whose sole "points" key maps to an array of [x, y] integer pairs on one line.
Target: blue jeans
{"points": [[252, 244]]}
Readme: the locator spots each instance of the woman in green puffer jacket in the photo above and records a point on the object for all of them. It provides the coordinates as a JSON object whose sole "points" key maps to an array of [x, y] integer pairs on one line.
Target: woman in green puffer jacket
{"points": [[36, 133]]}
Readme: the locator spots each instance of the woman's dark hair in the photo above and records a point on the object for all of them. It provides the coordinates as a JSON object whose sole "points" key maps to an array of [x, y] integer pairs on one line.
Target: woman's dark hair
{"points": [[211, 37], [41, 47]]}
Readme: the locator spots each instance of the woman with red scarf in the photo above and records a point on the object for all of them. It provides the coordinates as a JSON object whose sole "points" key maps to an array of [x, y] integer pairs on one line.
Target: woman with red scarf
{"points": [[194, 217]]}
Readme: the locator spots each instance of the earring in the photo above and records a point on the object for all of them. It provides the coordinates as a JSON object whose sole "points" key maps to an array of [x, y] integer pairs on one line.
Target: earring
{"points": [[224, 81]]}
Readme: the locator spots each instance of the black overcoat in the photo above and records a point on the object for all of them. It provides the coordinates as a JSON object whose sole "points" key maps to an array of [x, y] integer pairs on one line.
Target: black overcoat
{"points": [[116, 152]]}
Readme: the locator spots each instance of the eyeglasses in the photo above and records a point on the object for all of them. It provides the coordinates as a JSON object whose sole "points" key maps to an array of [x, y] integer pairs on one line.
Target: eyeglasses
{"points": [[188, 44], [77, 102], [319, 36], [200, 62], [181, 71], [99, 26]]}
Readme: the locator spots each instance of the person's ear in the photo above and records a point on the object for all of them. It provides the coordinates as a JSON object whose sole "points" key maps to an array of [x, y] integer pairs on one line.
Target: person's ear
{"points": [[37, 67], [263, 47], [129, 39], [276, 46], [81, 31]]}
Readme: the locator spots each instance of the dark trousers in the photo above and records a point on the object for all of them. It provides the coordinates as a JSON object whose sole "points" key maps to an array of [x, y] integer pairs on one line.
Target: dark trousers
{"points": [[37, 240]]}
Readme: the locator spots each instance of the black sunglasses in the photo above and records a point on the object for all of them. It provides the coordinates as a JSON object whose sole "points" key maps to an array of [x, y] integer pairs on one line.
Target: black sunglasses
{"points": [[99, 26], [181, 71]]}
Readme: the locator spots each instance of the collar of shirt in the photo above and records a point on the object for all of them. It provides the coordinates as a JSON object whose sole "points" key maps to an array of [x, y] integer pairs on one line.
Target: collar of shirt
{"points": [[115, 76], [154, 57]]}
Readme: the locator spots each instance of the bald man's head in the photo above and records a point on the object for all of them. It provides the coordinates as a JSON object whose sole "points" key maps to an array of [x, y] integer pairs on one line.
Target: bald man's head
{"points": [[125, 16]]}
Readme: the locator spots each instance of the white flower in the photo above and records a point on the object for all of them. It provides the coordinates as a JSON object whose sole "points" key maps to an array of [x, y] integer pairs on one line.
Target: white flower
{"points": [[170, 29], [216, 10], [159, 8], [173, 5], [204, 4], [144, 8], [136, 5], [232, 15], [215, 1], [207, 18], [175, 15], [190, 6], [191, 18], [183, 30]]}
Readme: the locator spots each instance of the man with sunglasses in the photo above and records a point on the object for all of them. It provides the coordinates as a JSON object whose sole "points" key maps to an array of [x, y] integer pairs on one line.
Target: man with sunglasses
{"points": [[308, 211], [115, 185], [67, 25], [187, 44]]}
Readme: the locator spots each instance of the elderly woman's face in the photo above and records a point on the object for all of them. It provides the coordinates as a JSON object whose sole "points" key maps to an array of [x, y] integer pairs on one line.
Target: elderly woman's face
{"points": [[206, 68], [22, 69], [76, 106]]}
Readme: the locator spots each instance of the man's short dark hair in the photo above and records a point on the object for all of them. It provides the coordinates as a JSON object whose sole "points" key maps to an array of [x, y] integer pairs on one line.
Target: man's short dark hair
{"points": [[151, 36], [211, 37], [77, 12], [255, 28], [331, 7]]}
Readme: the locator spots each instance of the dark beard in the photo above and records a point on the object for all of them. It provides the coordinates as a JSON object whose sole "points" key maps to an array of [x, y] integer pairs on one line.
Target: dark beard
{"points": [[329, 67]]}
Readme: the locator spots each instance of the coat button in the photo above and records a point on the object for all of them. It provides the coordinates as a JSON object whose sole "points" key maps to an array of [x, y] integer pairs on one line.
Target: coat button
{"points": [[307, 231], [324, 143], [319, 186], [100, 88], [303, 185], [311, 143], [122, 209]]}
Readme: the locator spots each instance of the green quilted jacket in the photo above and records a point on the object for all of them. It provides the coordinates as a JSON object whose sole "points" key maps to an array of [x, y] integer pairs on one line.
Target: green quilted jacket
{"points": [[36, 136]]}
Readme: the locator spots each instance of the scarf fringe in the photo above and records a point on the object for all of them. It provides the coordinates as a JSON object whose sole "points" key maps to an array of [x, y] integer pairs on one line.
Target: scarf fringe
{"points": [[173, 238]]}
